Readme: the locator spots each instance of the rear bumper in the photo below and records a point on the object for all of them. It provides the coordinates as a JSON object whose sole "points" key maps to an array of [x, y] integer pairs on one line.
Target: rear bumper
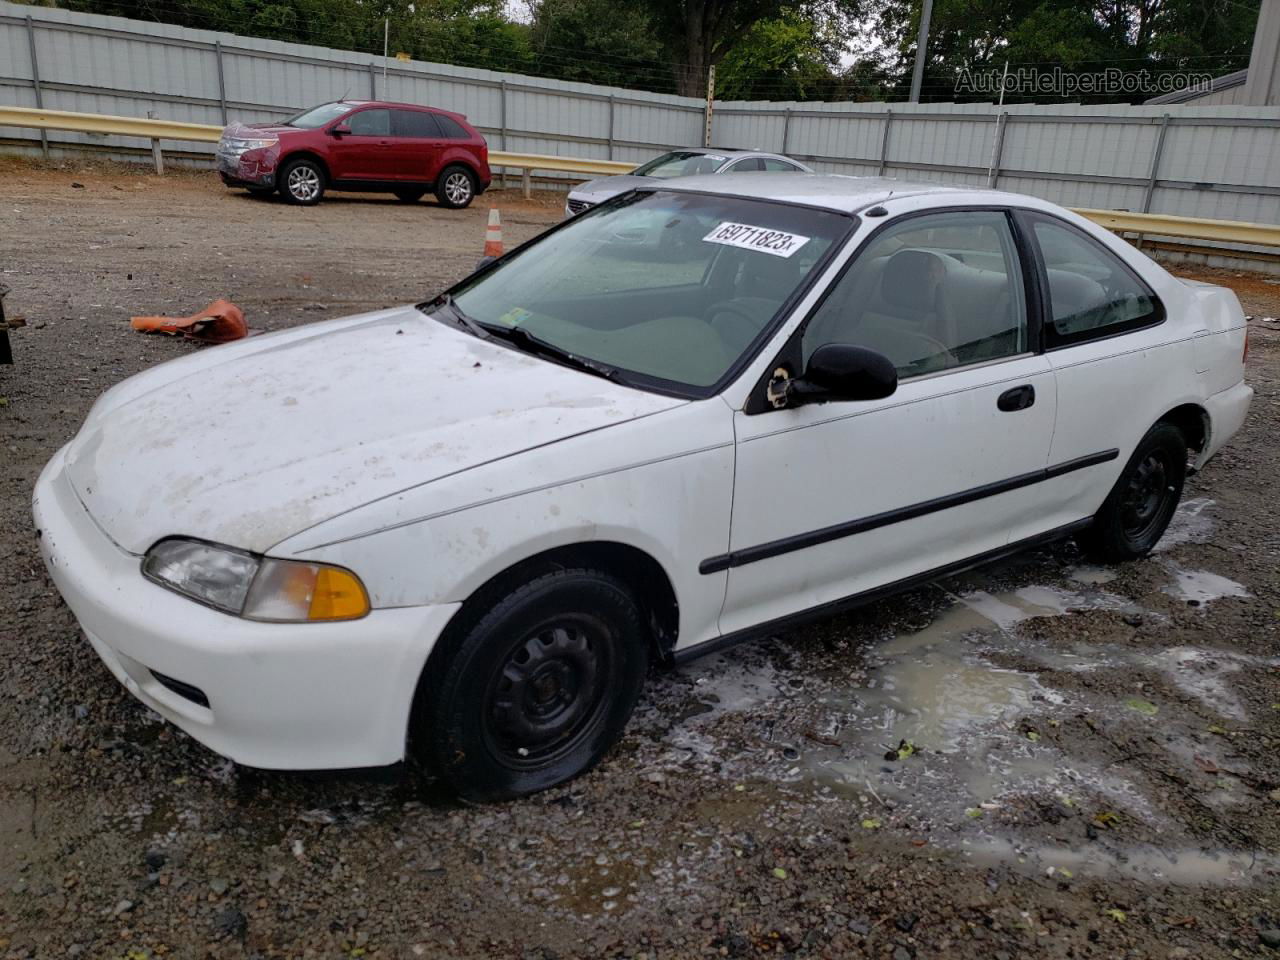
{"points": [[1227, 411], [278, 696]]}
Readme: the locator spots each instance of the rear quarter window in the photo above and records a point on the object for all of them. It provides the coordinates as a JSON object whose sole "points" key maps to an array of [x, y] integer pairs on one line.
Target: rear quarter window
{"points": [[451, 128]]}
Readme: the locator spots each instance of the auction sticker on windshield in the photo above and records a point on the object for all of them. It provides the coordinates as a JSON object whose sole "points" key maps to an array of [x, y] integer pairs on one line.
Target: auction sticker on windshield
{"points": [[776, 242]]}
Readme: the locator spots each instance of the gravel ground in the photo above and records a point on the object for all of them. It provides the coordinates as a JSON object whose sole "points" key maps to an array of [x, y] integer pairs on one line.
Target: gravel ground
{"points": [[1044, 758]]}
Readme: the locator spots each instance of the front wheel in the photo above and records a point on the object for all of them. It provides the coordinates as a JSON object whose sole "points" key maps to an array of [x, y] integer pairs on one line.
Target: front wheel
{"points": [[302, 182], [456, 188], [1135, 514], [538, 689]]}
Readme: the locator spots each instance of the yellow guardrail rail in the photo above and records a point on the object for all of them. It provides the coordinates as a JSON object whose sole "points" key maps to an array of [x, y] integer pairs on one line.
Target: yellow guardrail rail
{"points": [[1157, 224], [1165, 225]]}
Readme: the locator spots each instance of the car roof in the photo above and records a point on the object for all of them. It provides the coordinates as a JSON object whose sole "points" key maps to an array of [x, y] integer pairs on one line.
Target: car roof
{"points": [[729, 153], [838, 192]]}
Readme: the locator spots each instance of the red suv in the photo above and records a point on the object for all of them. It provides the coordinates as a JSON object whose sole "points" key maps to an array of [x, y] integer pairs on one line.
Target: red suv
{"points": [[358, 145]]}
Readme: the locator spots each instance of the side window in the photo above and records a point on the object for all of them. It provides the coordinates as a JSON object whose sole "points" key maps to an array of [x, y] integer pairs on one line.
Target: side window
{"points": [[749, 165], [414, 123], [371, 123], [1091, 292], [931, 293], [779, 166], [451, 128]]}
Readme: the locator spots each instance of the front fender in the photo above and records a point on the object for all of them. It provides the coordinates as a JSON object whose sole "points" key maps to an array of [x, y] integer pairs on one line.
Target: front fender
{"points": [[440, 542]]}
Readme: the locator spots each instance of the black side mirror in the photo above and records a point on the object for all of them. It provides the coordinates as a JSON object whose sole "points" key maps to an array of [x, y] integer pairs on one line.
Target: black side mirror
{"points": [[837, 371], [339, 130], [484, 262]]}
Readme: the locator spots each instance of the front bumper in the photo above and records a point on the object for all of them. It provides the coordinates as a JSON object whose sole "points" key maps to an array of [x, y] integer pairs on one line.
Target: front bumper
{"points": [[253, 168], [280, 696]]}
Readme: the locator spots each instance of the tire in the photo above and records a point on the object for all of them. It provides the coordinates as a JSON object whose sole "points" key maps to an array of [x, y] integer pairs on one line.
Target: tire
{"points": [[537, 690], [302, 182], [455, 187], [1135, 514], [410, 196]]}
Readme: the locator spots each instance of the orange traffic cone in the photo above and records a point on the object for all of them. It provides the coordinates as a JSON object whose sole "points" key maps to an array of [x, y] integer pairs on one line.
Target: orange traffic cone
{"points": [[493, 234]]}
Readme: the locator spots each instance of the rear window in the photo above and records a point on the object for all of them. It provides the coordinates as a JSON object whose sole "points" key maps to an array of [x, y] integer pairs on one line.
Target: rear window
{"points": [[414, 123], [451, 128]]}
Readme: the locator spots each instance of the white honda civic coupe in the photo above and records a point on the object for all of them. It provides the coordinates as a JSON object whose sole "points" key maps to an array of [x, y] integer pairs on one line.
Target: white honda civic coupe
{"points": [[462, 531]]}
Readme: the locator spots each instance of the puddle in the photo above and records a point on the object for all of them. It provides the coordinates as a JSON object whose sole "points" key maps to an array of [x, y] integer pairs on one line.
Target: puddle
{"points": [[1141, 863], [1190, 524], [1198, 587], [940, 728]]}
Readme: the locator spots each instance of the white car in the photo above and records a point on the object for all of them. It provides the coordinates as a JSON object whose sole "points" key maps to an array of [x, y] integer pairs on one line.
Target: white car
{"points": [[462, 531], [687, 162]]}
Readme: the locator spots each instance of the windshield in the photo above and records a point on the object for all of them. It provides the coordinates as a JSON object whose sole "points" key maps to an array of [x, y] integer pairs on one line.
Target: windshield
{"points": [[319, 116], [663, 286], [680, 163]]}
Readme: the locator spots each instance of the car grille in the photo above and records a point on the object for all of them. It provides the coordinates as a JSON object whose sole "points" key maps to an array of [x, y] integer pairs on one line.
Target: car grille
{"points": [[577, 206]]}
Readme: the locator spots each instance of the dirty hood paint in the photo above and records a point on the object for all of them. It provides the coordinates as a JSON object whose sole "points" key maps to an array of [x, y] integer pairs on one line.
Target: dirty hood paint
{"points": [[251, 443]]}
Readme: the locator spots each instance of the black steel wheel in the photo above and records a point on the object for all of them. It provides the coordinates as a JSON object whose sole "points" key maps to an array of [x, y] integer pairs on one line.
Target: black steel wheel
{"points": [[1136, 512], [537, 690]]}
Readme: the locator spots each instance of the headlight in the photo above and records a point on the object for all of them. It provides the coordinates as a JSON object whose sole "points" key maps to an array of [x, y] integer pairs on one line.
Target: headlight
{"points": [[253, 587]]}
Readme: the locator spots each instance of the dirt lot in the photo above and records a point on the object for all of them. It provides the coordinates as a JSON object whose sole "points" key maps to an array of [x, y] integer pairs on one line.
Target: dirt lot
{"points": [[1094, 771]]}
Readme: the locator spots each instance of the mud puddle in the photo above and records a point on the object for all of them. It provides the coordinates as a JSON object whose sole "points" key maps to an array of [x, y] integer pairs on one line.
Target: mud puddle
{"points": [[954, 729]]}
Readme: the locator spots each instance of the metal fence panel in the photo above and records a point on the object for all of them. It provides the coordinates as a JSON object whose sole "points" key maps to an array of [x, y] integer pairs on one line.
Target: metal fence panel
{"points": [[1214, 161]]}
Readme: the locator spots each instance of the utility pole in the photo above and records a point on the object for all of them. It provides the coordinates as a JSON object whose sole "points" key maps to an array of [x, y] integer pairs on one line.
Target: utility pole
{"points": [[922, 45], [386, 40], [711, 99]]}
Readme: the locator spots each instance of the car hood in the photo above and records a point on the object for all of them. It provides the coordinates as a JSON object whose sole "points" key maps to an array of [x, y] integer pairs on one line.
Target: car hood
{"points": [[249, 130], [597, 191], [248, 444]]}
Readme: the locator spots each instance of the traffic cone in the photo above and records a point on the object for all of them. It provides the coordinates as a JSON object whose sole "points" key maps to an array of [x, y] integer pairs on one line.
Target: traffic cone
{"points": [[493, 234]]}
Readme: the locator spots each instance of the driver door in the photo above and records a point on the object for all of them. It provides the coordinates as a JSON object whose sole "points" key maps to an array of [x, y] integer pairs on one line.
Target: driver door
{"points": [[836, 499]]}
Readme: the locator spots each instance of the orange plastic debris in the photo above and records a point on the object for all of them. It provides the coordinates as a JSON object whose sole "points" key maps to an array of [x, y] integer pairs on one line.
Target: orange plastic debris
{"points": [[220, 322]]}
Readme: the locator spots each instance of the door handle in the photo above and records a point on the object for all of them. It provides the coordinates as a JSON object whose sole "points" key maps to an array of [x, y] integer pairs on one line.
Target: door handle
{"points": [[1018, 398]]}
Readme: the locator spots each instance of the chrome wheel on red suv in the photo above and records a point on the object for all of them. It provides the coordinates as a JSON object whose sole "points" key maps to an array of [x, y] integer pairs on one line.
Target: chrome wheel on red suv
{"points": [[302, 182], [456, 188]]}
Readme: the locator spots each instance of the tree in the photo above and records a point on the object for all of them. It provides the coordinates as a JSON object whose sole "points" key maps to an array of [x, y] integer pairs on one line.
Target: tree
{"points": [[599, 41], [700, 33]]}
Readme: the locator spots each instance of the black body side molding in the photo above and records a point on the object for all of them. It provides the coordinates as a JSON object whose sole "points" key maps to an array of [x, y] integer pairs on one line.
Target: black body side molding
{"points": [[800, 541], [871, 596]]}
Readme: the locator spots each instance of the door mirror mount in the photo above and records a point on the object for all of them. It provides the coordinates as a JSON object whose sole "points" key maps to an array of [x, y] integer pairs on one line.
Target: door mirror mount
{"points": [[836, 372], [339, 130]]}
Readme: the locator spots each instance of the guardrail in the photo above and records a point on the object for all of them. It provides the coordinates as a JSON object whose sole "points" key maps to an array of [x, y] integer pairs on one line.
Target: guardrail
{"points": [[1150, 224], [157, 130]]}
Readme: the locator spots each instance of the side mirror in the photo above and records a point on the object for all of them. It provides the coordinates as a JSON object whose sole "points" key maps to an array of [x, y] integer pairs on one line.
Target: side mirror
{"points": [[339, 130], [484, 262], [837, 371]]}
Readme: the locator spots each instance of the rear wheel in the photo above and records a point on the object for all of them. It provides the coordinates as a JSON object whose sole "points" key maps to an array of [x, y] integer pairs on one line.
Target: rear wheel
{"points": [[410, 196], [538, 689], [1136, 512], [456, 187], [302, 182]]}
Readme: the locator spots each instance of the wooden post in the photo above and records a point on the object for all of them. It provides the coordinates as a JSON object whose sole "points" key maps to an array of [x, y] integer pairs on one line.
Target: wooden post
{"points": [[157, 156], [711, 100]]}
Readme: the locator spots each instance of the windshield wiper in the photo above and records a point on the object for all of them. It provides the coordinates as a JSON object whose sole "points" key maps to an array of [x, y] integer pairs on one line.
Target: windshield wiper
{"points": [[446, 300], [522, 338], [526, 341]]}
